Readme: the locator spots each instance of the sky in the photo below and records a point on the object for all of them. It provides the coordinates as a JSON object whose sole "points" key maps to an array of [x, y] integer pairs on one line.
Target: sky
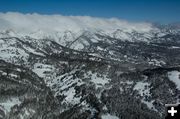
{"points": [[164, 11]]}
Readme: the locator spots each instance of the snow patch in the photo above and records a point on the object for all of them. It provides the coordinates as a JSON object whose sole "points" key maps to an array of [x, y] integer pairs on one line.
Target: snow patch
{"points": [[174, 76], [97, 79], [10, 103], [149, 104], [33, 51], [156, 62], [142, 88], [70, 96], [40, 69], [64, 85], [108, 116]]}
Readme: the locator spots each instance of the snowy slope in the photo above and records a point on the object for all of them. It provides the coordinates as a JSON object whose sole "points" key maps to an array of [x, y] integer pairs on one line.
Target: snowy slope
{"points": [[66, 28], [174, 76]]}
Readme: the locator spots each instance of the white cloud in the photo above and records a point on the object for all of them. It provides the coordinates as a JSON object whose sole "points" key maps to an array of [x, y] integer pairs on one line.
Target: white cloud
{"points": [[28, 23]]}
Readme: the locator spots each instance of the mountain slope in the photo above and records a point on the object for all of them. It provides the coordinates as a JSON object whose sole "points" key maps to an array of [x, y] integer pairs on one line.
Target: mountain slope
{"points": [[86, 68]]}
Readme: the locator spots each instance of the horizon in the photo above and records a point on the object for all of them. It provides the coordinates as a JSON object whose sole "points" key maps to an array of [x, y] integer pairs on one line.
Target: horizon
{"points": [[154, 11], [27, 23]]}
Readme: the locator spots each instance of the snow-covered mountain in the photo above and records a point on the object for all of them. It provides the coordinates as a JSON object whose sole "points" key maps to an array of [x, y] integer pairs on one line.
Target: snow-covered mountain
{"points": [[80, 67], [64, 29]]}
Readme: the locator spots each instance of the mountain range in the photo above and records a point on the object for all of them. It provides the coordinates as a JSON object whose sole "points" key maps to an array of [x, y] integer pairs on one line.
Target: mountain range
{"points": [[81, 67]]}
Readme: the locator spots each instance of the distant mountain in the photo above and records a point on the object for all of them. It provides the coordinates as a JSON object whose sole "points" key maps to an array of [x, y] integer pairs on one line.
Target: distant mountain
{"points": [[67, 67]]}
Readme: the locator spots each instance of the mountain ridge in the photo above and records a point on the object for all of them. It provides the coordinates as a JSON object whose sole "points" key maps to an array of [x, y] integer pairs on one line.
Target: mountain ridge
{"points": [[93, 74]]}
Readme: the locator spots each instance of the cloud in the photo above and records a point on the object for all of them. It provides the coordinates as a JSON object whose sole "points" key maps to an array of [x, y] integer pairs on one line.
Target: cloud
{"points": [[29, 23]]}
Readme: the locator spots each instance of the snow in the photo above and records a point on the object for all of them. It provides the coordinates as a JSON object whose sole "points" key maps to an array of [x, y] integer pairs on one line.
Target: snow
{"points": [[10, 103], [150, 104], [97, 79], [175, 47], [70, 96], [95, 55], [27, 113], [77, 46], [13, 75], [122, 35], [99, 48], [104, 107], [64, 85], [10, 53], [174, 76], [52, 26], [156, 62], [40, 69], [142, 88], [33, 51], [128, 82], [108, 116]]}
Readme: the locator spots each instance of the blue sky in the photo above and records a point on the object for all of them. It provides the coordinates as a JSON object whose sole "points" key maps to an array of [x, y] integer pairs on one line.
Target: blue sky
{"points": [[165, 11]]}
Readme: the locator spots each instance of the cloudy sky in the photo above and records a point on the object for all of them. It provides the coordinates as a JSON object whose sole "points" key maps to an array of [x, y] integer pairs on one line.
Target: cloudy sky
{"points": [[164, 11]]}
